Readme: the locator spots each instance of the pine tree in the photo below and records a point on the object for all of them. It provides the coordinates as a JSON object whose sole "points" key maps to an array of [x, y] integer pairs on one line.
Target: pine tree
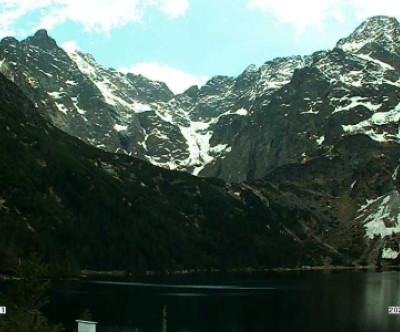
{"points": [[27, 295]]}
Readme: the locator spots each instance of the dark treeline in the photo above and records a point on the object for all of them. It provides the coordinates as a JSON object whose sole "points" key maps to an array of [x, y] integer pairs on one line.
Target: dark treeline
{"points": [[82, 208]]}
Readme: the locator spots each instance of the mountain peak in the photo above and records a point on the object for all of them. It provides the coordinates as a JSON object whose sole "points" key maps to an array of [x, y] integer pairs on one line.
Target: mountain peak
{"points": [[42, 33], [9, 40], [384, 30], [251, 68], [42, 39], [380, 21]]}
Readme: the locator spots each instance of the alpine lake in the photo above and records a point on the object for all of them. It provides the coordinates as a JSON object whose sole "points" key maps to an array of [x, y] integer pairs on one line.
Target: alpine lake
{"points": [[328, 300]]}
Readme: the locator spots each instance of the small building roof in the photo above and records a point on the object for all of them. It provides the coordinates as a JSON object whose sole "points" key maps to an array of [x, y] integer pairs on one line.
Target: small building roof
{"points": [[85, 321]]}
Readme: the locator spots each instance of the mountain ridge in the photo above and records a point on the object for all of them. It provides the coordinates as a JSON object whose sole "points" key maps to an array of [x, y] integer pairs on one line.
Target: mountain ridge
{"points": [[190, 148]]}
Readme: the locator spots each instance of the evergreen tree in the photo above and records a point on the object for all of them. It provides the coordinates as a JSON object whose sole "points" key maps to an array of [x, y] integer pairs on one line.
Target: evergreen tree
{"points": [[27, 295]]}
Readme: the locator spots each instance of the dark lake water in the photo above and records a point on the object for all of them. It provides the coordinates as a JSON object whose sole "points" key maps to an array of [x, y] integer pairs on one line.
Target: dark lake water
{"points": [[284, 301]]}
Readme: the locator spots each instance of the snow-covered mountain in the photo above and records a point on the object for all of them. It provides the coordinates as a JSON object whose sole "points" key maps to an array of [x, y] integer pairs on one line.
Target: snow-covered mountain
{"points": [[234, 128], [116, 112], [331, 94], [313, 135]]}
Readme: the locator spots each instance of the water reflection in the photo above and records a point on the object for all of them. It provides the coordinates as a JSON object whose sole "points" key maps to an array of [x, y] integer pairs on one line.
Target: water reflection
{"points": [[303, 301], [381, 291]]}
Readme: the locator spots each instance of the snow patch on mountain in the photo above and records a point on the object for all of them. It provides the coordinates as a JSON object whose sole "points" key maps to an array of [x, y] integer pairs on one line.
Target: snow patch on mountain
{"points": [[56, 95], [371, 126], [198, 139], [47, 74], [352, 46], [310, 111], [384, 65], [320, 140], [242, 111], [61, 108], [78, 109], [278, 72], [352, 102], [395, 173], [119, 128], [381, 216], [389, 253]]}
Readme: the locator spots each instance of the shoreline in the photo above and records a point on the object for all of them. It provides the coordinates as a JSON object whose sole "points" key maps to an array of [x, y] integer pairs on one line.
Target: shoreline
{"points": [[118, 274], [87, 274]]}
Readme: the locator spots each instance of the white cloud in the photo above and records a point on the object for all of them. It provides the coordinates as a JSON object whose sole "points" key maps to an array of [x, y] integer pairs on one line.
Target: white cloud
{"points": [[313, 13], [70, 46], [94, 15], [300, 14], [367, 8], [100, 16], [174, 8], [6, 32], [177, 80]]}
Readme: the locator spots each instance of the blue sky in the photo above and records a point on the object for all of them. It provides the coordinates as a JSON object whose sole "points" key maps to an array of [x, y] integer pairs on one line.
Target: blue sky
{"points": [[185, 42]]}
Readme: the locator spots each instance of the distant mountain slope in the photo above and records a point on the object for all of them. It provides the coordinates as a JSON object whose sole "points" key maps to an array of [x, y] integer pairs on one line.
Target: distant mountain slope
{"points": [[233, 128], [347, 198], [81, 207]]}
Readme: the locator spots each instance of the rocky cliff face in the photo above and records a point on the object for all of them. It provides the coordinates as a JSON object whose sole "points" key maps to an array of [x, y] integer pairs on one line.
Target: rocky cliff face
{"points": [[347, 198], [287, 110], [346, 91]]}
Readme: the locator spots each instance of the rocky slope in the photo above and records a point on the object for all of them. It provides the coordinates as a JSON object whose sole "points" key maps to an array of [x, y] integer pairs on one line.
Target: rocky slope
{"points": [[83, 208], [347, 198], [336, 93], [237, 129]]}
